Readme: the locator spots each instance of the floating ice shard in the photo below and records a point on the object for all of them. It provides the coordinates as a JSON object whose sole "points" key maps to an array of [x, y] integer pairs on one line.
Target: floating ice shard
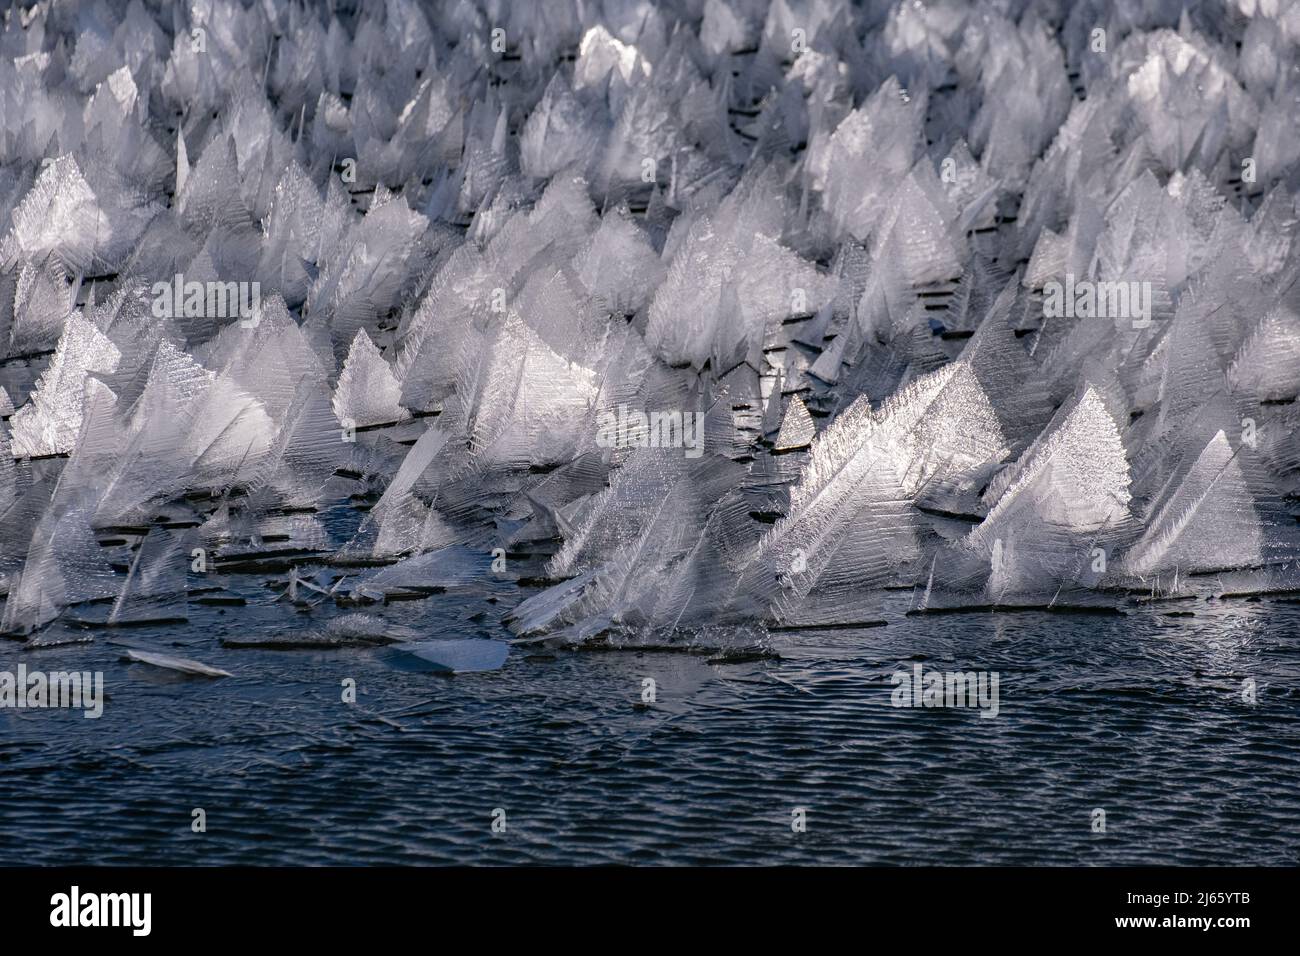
{"points": [[366, 629], [459, 656], [181, 665], [429, 573], [347, 630]]}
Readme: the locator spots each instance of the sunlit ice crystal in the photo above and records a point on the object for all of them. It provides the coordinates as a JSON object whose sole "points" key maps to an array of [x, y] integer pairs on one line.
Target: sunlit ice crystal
{"points": [[49, 424], [368, 392], [1067, 498]]}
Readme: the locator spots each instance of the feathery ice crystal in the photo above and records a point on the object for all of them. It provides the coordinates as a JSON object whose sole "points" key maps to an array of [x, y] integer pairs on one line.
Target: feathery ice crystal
{"points": [[707, 318]]}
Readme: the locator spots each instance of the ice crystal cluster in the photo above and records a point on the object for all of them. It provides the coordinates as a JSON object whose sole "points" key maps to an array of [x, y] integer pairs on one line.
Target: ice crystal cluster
{"points": [[680, 318]]}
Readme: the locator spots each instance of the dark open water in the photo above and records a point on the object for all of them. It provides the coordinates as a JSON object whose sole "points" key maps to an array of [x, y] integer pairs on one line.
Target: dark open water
{"points": [[1141, 716]]}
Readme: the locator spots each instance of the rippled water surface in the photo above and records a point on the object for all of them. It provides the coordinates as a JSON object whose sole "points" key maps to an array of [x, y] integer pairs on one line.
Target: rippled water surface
{"points": [[1141, 716]]}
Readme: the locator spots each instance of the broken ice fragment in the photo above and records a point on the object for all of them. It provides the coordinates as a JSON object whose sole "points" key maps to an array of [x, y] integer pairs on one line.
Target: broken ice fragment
{"points": [[459, 656], [182, 665]]}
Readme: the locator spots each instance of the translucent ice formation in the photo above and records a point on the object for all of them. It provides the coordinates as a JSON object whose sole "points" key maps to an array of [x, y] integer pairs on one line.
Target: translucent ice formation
{"points": [[649, 324]]}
